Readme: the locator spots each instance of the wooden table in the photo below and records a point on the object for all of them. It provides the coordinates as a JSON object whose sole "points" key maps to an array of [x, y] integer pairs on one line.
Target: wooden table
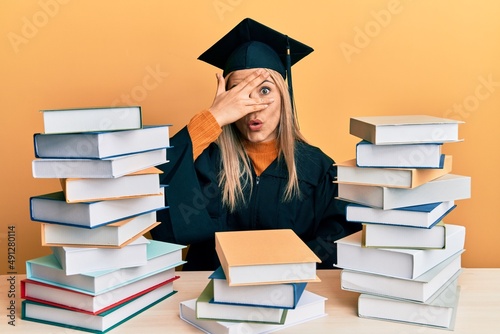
{"points": [[478, 310]]}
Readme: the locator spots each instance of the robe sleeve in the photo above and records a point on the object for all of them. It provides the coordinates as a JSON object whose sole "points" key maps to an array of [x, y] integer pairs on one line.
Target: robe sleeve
{"points": [[332, 224], [189, 187]]}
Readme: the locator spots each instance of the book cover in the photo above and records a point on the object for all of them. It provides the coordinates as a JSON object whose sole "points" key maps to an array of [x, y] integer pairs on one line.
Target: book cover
{"points": [[396, 262], [391, 236], [284, 295], [420, 289], [77, 260], [349, 172], [423, 216], [265, 257], [311, 306], [162, 256], [206, 309], [100, 145], [90, 304], [404, 129], [53, 208], [114, 235], [97, 168], [426, 155], [91, 119], [449, 187], [141, 183], [99, 323]]}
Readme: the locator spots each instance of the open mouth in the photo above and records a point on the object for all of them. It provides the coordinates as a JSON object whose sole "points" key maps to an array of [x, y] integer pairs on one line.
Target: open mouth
{"points": [[255, 125]]}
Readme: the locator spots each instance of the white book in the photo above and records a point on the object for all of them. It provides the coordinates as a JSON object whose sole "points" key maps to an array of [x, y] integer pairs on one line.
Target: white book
{"points": [[419, 289], [53, 208], [114, 235], [399, 155], [448, 187], [92, 119], [97, 168], [207, 309], [404, 129], [141, 183], [391, 236], [78, 260], [100, 145], [440, 312], [424, 216], [396, 262], [311, 306], [162, 256]]}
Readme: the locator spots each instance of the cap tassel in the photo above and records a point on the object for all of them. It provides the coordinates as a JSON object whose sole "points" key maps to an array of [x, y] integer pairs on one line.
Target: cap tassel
{"points": [[289, 75]]}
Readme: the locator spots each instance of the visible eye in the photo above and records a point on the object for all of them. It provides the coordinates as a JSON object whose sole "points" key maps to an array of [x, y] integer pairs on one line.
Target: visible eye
{"points": [[265, 90]]}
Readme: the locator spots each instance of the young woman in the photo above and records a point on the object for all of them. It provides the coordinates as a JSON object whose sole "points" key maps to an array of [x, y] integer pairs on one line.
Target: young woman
{"points": [[243, 164]]}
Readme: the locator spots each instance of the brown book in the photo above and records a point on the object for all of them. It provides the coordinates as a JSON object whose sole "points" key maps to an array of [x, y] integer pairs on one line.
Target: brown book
{"points": [[348, 172], [265, 257]]}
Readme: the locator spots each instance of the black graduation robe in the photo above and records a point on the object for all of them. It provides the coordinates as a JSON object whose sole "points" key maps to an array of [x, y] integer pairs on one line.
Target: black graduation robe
{"points": [[195, 210]]}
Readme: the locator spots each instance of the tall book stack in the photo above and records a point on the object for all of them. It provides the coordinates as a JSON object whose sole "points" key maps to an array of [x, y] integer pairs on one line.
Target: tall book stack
{"points": [[405, 261], [260, 286], [102, 269]]}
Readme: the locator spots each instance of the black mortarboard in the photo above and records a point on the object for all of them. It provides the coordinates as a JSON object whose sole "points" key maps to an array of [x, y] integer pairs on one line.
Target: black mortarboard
{"points": [[253, 45]]}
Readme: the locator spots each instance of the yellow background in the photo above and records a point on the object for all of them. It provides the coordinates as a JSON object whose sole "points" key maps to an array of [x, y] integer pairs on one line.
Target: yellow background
{"points": [[379, 57]]}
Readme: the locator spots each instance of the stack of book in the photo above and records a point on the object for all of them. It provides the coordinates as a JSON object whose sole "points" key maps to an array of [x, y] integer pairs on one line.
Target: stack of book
{"points": [[405, 261], [260, 286], [102, 269]]}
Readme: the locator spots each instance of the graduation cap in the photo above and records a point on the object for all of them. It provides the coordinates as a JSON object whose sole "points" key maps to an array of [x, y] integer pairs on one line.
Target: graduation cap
{"points": [[251, 44]]}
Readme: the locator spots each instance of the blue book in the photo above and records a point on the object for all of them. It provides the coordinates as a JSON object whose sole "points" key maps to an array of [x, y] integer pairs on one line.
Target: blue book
{"points": [[423, 216], [285, 295], [53, 208], [422, 155]]}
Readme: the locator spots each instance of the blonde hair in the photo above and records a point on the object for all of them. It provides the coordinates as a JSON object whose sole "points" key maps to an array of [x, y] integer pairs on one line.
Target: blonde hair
{"points": [[236, 172]]}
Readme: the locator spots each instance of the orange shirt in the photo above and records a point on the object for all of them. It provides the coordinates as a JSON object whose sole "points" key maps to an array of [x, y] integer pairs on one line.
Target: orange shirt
{"points": [[204, 130]]}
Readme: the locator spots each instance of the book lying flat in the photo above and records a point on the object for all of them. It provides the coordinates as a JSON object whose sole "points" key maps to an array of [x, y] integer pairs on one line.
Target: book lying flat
{"points": [[284, 295], [114, 235], [420, 289], [161, 256], [449, 187], [85, 303], [97, 168], [100, 145], [99, 323], [404, 129], [206, 309], [440, 312], [424, 215], [141, 183], [265, 257], [390, 236], [311, 306], [92, 119], [396, 262], [78, 260], [53, 208], [348, 172], [399, 155]]}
